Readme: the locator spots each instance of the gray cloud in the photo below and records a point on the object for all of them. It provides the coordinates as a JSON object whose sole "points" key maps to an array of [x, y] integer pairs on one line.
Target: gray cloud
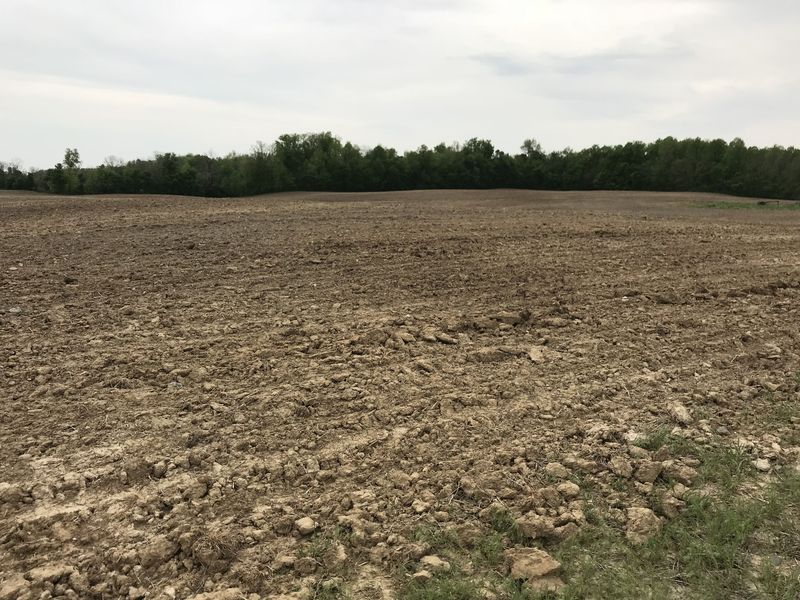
{"points": [[193, 76]]}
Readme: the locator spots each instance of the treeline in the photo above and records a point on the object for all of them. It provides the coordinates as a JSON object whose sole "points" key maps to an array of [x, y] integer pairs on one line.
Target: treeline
{"points": [[320, 161]]}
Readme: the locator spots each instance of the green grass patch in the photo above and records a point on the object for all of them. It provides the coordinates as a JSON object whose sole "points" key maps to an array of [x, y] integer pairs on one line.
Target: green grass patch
{"points": [[704, 554]]}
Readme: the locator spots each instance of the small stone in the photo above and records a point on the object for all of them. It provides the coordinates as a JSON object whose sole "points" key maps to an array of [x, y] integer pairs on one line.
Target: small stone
{"points": [[159, 469], [530, 563], [536, 354], [762, 464], [15, 586], [422, 576], [305, 525], [621, 467], [565, 532], [672, 506], [446, 339], [550, 496], [10, 493], [546, 585], [157, 551], [643, 523], [536, 526], [424, 365], [681, 473], [558, 470], [648, 471], [51, 573], [568, 489], [680, 413], [679, 490], [434, 563]]}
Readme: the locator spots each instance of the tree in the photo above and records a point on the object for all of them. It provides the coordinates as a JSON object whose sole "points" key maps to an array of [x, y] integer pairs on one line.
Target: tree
{"points": [[72, 159], [531, 148]]}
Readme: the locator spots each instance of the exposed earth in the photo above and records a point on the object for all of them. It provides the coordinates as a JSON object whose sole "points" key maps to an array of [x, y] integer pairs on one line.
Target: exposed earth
{"points": [[271, 397]]}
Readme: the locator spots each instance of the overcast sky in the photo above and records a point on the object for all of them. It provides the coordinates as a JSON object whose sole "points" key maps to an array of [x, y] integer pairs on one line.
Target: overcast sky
{"points": [[132, 78]]}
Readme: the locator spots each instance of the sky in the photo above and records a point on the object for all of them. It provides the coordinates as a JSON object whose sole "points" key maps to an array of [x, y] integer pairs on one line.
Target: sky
{"points": [[129, 79]]}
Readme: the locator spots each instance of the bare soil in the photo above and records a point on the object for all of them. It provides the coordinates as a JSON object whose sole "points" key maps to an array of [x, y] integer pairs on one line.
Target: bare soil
{"points": [[184, 380]]}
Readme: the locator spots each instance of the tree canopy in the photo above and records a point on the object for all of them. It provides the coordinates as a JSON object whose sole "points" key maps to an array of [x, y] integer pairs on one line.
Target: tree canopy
{"points": [[322, 162]]}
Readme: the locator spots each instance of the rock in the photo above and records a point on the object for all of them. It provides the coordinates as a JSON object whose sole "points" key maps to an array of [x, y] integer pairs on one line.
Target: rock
{"points": [[621, 467], [446, 339], [680, 413], [762, 464], [568, 489], [51, 573], [643, 523], [672, 506], [468, 535], [79, 582], [135, 593], [681, 473], [434, 563], [546, 585], [648, 471], [536, 354], [159, 469], [10, 493], [530, 563], [558, 470], [679, 490], [536, 526], [305, 566], [583, 465], [424, 365], [157, 551], [305, 525], [422, 576], [565, 532], [550, 496], [13, 587]]}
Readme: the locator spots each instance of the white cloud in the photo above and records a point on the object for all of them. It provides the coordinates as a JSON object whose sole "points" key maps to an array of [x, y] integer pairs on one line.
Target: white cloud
{"points": [[191, 76]]}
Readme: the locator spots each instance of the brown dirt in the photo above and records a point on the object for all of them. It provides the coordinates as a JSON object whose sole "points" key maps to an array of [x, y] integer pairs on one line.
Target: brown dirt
{"points": [[184, 378]]}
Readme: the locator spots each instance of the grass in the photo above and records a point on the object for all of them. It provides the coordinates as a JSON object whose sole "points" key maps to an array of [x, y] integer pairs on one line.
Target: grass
{"points": [[703, 554], [724, 467], [706, 553], [728, 542], [749, 205]]}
